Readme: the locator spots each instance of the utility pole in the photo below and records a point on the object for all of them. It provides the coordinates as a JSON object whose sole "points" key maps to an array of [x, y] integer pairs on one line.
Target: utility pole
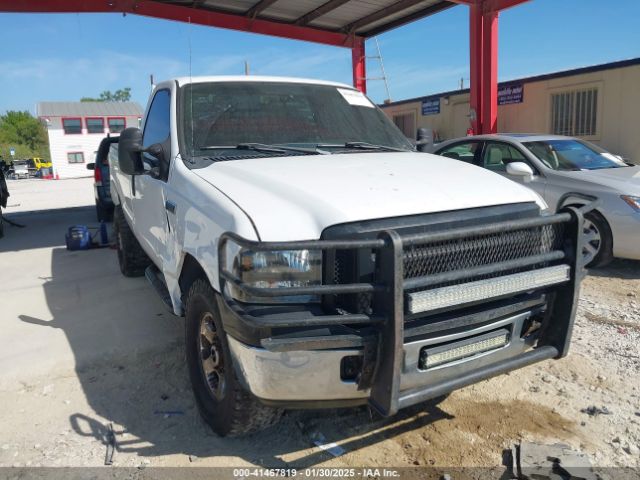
{"points": [[246, 67]]}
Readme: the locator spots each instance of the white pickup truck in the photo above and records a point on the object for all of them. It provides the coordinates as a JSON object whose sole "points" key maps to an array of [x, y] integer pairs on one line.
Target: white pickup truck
{"points": [[320, 261]]}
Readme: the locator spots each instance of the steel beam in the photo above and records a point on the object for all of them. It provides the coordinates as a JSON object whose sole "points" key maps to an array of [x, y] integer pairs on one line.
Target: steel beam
{"points": [[259, 7], [497, 5], [320, 11], [475, 67], [358, 61], [483, 50], [490, 72], [424, 12], [380, 14], [182, 14]]}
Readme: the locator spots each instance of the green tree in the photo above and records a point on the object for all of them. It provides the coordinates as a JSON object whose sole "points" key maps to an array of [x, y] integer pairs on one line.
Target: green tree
{"points": [[121, 95], [23, 132]]}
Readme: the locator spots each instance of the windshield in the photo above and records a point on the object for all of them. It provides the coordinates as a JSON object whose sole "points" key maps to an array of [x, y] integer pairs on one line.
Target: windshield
{"points": [[227, 114], [573, 155]]}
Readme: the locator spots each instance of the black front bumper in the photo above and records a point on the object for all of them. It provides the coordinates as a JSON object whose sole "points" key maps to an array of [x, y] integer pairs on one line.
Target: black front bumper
{"points": [[383, 332]]}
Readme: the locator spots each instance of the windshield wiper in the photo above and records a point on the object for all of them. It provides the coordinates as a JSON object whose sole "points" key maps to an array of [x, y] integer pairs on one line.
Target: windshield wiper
{"points": [[262, 147], [363, 146]]}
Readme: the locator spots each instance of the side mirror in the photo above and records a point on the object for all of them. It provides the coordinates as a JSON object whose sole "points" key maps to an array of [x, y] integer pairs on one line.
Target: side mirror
{"points": [[91, 166], [520, 169], [130, 151]]}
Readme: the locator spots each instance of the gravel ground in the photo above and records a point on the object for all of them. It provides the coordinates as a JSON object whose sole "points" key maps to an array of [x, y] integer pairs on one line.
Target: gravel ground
{"points": [[61, 419]]}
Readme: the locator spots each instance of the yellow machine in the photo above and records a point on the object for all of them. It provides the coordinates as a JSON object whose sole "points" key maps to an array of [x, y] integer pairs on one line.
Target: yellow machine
{"points": [[41, 163]]}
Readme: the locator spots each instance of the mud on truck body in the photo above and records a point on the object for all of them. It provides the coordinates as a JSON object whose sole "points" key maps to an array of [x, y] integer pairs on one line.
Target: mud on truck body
{"points": [[320, 261]]}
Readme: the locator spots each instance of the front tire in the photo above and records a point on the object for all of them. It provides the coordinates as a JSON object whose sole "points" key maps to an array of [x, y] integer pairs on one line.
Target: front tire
{"points": [[598, 241], [223, 404], [132, 258]]}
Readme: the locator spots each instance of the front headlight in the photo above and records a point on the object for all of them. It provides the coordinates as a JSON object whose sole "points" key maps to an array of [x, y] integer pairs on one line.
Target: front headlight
{"points": [[633, 202], [277, 269]]}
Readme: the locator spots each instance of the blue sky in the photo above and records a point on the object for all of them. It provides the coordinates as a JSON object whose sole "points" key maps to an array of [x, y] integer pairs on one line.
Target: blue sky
{"points": [[65, 57]]}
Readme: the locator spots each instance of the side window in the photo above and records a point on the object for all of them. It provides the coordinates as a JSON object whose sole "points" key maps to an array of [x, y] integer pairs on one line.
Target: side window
{"points": [[113, 154], [157, 129], [497, 155], [461, 151]]}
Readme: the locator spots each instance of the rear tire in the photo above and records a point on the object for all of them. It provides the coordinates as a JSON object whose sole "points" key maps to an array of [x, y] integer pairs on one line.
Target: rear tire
{"points": [[598, 240], [131, 257], [223, 403]]}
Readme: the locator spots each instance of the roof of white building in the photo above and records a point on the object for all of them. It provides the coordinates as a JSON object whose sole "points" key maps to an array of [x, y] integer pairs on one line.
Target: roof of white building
{"points": [[88, 109]]}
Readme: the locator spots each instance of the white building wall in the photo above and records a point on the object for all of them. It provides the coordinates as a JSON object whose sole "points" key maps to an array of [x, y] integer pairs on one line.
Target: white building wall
{"points": [[60, 144]]}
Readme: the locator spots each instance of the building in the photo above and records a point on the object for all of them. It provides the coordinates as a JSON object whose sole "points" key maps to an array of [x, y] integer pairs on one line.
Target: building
{"points": [[76, 128], [600, 104]]}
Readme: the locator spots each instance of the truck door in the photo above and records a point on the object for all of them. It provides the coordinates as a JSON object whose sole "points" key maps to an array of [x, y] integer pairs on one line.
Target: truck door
{"points": [[149, 200]]}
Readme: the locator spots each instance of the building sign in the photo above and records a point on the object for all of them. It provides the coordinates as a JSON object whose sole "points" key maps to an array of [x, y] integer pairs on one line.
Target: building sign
{"points": [[431, 106], [513, 93]]}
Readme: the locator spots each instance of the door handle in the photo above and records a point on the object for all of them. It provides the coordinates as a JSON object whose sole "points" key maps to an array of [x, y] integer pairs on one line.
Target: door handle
{"points": [[170, 206]]}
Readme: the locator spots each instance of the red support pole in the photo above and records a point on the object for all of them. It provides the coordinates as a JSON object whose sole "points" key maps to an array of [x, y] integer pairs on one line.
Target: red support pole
{"points": [[358, 61], [483, 101], [475, 63], [490, 73]]}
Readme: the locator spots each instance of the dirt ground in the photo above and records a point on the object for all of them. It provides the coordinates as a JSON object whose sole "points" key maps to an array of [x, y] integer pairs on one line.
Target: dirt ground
{"points": [[60, 419], [58, 414]]}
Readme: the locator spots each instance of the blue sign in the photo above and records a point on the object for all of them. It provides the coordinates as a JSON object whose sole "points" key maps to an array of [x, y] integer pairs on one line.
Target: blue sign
{"points": [[431, 106], [513, 93], [12, 151]]}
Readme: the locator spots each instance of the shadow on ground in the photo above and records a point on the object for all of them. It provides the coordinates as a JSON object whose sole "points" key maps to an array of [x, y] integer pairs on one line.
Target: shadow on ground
{"points": [[141, 385], [619, 268], [43, 228]]}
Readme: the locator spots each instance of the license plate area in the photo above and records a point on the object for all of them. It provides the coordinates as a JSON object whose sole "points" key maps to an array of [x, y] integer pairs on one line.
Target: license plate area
{"points": [[442, 355]]}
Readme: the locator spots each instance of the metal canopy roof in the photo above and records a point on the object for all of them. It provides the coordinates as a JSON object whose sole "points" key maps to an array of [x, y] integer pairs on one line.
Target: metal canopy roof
{"points": [[360, 17], [345, 23]]}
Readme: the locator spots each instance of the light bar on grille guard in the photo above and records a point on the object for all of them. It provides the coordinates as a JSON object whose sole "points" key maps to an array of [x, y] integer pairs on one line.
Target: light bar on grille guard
{"points": [[487, 289]]}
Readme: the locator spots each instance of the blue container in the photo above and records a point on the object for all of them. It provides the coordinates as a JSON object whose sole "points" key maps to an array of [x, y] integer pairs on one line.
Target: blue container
{"points": [[78, 238]]}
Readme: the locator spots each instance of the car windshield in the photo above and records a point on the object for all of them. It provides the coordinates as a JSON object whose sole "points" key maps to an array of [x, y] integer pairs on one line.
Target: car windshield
{"points": [[223, 118], [573, 155]]}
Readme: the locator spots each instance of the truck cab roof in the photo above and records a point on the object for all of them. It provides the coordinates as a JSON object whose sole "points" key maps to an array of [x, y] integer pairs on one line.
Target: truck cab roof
{"points": [[251, 78]]}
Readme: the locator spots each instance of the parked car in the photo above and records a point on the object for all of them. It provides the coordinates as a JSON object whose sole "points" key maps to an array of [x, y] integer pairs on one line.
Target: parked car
{"points": [[107, 150], [20, 169], [567, 171], [320, 261]]}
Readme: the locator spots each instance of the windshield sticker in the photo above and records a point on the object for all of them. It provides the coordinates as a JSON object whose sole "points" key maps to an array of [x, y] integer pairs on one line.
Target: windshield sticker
{"points": [[354, 97]]}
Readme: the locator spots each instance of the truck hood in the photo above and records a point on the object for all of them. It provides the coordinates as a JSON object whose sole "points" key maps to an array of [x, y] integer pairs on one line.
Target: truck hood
{"points": [[297, 197]]}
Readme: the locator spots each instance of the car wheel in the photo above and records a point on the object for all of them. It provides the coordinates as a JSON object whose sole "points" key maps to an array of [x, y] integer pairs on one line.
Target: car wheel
{"points": [[597, 250], [131, 257], [223, 403]]}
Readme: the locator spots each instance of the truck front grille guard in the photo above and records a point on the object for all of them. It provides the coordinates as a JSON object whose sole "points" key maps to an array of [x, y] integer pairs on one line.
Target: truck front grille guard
{"points": [[391, 286]]}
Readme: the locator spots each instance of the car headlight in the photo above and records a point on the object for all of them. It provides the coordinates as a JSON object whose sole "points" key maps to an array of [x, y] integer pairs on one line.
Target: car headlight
{"points": [[277, 269], [633, 202]]}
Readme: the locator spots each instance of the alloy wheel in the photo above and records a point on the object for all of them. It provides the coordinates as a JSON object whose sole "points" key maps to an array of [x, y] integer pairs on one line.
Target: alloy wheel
{"points": [[211, 358], [592, 241]]}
